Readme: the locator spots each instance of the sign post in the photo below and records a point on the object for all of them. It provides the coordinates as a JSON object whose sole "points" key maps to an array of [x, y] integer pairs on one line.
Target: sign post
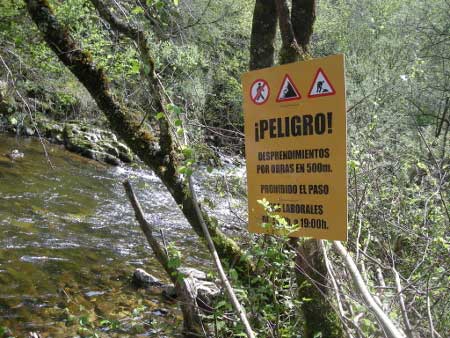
{"points": [[295, 142]]}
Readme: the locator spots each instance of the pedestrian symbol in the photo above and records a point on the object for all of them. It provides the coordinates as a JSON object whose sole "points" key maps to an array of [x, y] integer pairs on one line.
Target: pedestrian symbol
{"points": [[259, 91], [321, 86], [288, 91]]}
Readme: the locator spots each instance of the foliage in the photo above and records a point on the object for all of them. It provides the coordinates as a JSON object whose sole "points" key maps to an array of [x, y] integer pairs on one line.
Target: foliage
{"points": [[397, 77], [270, 296]]}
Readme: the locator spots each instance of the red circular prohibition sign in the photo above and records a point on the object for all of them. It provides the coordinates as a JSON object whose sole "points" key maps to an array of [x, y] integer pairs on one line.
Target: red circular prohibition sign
{"points": [[259, 91]]}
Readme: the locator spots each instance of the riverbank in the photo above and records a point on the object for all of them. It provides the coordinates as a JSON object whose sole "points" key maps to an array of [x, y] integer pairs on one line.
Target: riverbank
{"points": [[92, 139], [81, 137]]}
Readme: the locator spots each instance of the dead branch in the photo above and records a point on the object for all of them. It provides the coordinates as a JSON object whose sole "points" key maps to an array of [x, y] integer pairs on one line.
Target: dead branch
{"points": [[185, 287]]}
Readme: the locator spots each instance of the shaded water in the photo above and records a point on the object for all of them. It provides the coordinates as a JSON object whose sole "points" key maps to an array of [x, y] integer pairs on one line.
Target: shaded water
{"points": [[69, 243]]}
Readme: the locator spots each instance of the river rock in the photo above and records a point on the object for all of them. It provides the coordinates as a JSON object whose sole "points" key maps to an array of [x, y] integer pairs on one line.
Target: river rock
{"points": [[169, 291], [95, 143], [15, 155], [52, 130], [28, 131], [191, 272], [204, 291], [7, 102], [143, 278]]}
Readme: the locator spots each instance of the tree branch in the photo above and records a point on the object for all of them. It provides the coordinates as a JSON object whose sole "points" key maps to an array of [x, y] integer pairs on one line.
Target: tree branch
{"points": [[409, 332], [186, 289]]}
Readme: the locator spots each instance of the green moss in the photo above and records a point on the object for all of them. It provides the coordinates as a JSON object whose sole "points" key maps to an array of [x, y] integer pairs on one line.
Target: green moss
{"points": [[319, 316]]}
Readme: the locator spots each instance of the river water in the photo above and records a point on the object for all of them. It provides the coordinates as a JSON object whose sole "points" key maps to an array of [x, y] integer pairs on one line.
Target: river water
{"points": [[69, 244]]}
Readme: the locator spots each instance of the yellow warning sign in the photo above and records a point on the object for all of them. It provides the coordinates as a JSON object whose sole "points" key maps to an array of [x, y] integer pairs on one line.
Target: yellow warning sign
{"points": [[296, 148]]}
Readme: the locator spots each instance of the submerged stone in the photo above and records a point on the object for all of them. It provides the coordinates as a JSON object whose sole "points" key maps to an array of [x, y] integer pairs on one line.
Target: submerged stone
{"points": [[143, 278], [14, 155]]}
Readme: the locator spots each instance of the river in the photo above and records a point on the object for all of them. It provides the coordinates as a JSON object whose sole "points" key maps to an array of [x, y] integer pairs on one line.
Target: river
{"points": [[69, 244]]}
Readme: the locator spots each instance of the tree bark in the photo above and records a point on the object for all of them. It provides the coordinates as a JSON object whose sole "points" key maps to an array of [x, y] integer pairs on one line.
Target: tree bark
{"points": [[289, 51], [303, 17], [312, 281], [264, 27]]}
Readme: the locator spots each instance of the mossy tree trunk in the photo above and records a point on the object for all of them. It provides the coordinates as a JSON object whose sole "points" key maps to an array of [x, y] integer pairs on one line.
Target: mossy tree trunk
{"points": [[303, 16], [264, 28], [319, 314]]}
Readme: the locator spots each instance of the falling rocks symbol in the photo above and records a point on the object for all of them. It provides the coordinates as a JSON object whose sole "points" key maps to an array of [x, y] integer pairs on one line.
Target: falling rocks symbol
{"points": [[288, 91]]}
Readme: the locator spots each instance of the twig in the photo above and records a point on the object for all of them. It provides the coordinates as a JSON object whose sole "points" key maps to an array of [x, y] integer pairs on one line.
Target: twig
{"points": [[337, 293]]}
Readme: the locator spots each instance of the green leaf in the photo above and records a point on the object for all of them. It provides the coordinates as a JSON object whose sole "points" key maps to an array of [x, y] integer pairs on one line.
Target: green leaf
{"points": [[180, 131], [177, 110], [137, 10], [170, 107], [178, 123], [13, 121], [146, 69], [159, 116], [135, 67], [209, 169], [354, 165], [187, 152], [160, 4]]}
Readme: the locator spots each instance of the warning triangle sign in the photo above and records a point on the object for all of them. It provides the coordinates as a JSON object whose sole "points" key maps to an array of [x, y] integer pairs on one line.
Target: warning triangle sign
{"points": [[288, 91], [321, 86]]}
